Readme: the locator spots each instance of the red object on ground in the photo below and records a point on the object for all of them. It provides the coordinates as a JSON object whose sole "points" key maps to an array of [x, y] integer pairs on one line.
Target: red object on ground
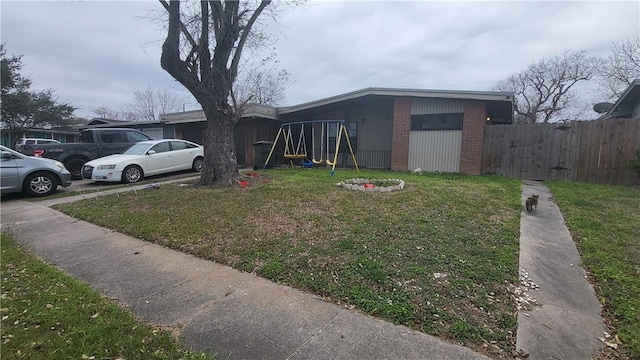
{"points": [[252, 174], [369, 186], [243, 183]]}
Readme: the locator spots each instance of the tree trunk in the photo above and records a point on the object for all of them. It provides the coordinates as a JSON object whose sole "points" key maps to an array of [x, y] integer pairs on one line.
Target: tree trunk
{"points": [[14, 136], [220, 164]]}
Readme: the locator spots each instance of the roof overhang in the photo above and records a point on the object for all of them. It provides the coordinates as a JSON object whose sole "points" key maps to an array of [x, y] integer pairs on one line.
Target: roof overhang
{"points": [[391, 92], [623, 108], [251, 111], [122, 124]]}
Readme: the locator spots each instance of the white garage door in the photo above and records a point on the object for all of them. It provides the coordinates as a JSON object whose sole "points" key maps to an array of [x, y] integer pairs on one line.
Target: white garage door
{"points": [[435, 150], [155, 133]]}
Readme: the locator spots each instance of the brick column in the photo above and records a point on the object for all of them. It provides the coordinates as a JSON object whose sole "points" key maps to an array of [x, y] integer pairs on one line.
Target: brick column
{"points": [[475, 113], [400, 133]]}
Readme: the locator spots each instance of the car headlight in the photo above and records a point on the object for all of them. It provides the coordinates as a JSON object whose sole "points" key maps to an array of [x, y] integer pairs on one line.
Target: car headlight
{"points": [[106, 167], [59, 165]]}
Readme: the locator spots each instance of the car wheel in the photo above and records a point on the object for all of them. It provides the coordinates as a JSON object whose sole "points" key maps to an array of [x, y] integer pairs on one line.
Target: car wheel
{"points": [[40, 184], [198, 164], [132, 174], [74, 166]]}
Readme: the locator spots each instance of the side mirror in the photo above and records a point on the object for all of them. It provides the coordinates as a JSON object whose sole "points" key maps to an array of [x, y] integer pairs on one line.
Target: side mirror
{"points": [[151, 152]]}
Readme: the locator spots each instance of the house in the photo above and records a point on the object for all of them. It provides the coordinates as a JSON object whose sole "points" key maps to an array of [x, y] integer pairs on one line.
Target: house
{"points": [[398, 129], [61, 134], [156, 129], [258, 122], [627, 106]]}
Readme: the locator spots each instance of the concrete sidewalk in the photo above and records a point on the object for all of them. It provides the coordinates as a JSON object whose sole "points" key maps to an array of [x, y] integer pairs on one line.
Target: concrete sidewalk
{"points": [[567, 323], [218, 310]]}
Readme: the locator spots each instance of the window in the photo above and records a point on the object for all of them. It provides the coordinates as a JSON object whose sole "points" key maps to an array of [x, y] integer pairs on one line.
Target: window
{"points": [[111, 136], [437, 121], [352, 131], [161, 147], [134, 136], [181, 145], [86, 136]]}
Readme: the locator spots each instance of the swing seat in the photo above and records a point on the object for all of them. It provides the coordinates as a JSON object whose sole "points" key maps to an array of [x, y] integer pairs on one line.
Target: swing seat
{"points": [[294, 156], [318, 162]]}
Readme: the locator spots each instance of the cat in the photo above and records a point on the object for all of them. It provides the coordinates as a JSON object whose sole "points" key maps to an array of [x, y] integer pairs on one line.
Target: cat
{"points": [[532, 201]]}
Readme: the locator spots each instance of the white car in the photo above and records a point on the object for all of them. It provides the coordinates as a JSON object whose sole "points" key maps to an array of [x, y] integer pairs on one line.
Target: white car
{"points": [[33, 141], [146, 158]]}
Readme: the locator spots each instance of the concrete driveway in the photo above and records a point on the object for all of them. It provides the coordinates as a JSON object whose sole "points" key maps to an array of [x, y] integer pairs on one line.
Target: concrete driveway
{"points": [[92, 186]]}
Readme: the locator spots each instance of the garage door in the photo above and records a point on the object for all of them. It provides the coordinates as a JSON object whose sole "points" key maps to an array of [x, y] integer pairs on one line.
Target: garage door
{"points": [[435, 150], [155, 133]]}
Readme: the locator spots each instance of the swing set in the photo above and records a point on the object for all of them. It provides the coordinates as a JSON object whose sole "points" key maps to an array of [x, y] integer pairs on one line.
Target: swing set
{"points": [[295, 147]]}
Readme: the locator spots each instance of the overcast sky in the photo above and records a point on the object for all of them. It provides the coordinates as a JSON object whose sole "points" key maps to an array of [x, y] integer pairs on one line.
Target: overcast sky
{"points": [[95, 53]]}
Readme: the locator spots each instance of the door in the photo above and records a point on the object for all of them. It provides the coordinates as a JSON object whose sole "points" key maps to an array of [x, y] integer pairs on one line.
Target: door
{"points": [[117, 141], [183, 155], [161, 162], [9, 173]]}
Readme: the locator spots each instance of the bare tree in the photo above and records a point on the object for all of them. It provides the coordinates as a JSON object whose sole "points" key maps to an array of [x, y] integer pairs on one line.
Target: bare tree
{"points": [[621, 68], [261, 82], [148, 104], [106, 112], [202, 51], [544, 92]]}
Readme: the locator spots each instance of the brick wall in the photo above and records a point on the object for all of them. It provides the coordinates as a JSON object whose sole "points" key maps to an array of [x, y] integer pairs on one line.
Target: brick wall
{"points": [[400, 133], [472, 137]]}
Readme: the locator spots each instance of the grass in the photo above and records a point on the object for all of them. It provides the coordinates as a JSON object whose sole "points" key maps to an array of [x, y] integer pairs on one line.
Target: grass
{"points": [[377, 252], [49, 315], [605, 224]]}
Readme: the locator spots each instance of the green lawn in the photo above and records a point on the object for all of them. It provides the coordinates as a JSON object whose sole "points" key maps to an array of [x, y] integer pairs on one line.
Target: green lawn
{"points": [[49, 315], [377, 252], [605, 223]]}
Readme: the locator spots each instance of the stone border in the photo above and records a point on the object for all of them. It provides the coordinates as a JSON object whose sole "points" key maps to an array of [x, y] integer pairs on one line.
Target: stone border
{"points": [[359, 185]]}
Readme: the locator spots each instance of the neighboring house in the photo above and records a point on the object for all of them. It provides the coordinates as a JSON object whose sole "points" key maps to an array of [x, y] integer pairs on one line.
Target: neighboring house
{"points": [[627, 106], [258, 122], [398, 129], [154, 128], [63, 135]]}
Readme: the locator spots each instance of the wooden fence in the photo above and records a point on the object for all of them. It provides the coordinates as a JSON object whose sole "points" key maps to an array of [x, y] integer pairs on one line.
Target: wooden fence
{"points": [[595, 151]]}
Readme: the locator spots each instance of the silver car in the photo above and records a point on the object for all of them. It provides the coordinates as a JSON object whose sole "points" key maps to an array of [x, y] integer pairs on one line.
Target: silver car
{"points": [[31, 175]]}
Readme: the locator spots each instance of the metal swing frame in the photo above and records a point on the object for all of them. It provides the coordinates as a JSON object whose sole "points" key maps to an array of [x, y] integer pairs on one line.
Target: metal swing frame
{"points": [[300, 148]]}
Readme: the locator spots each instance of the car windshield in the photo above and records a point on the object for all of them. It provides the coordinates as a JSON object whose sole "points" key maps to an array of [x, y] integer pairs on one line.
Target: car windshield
{"points": [[137, 149]]}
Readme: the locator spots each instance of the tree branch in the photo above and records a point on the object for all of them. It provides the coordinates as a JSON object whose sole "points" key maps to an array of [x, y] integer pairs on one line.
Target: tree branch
{"points": [[243, 38]]}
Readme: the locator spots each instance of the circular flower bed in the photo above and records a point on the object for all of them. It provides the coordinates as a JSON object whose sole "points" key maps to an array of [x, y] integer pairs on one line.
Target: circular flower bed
{"points": [[370, 185]]}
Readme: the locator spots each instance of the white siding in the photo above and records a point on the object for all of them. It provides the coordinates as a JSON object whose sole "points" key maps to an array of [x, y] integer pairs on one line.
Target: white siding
{"points": [[435, 150]]}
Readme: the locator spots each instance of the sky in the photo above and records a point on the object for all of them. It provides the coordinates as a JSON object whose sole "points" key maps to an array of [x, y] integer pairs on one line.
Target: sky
{"points": [[96, 53]]}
